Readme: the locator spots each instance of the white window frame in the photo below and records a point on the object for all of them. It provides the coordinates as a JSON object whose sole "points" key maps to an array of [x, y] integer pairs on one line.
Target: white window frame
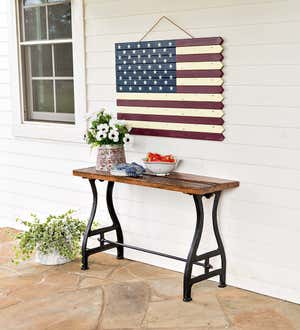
{"points": [[41, 129]]}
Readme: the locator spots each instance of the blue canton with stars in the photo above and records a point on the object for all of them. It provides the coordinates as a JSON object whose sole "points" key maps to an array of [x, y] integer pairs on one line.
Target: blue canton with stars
{"points": [[146, 67]]}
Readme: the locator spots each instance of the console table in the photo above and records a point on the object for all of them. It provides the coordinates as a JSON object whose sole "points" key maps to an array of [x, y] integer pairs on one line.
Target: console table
{"points": [[194, 185]]}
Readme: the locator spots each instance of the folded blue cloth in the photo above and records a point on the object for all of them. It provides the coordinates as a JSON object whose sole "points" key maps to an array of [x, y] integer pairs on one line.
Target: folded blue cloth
{"points": [[132, 169]]}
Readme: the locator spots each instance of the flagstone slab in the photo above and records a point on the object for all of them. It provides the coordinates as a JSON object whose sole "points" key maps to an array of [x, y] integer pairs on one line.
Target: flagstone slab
{"points": [[125, 305], [78, 309]]}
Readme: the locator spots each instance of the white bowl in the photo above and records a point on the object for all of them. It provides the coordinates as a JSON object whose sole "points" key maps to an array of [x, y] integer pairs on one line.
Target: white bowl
{"points": [[160, 168]]}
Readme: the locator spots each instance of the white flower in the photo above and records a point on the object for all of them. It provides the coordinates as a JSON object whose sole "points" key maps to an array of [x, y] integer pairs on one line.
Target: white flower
{"points": [[114, 135], [112, 123], [101, 135], [103, 128], [105, 111], [128, 138]]}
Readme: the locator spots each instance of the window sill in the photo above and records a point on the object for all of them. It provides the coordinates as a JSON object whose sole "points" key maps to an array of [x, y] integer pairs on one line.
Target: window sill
{"points": [[50, 131]]}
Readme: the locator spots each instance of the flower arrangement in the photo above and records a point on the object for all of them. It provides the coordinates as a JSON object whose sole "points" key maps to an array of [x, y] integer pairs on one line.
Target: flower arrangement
{"points": [[57, 234], [105, 130]]}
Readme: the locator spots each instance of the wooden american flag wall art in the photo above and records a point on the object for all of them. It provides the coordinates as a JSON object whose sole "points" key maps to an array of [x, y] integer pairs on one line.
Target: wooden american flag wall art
{"points": [[171, 88]]}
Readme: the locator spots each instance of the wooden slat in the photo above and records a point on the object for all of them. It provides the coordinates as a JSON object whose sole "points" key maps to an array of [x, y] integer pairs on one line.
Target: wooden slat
{"points": [[176, 96], [199, 81], [199, 42], [199, 57], [199, 66], [199, 73], [181, 182], [178, 134], [172, 111], [172, 119], [171, 104], [198, 50], [200, 89], [176, 126]]}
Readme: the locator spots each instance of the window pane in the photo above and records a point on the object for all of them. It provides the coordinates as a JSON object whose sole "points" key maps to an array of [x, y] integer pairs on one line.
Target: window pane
{"points": [[33, 2], [42, 91], [41, 61], [35, 23], [60, 21], [64, 96], [63, 55]]}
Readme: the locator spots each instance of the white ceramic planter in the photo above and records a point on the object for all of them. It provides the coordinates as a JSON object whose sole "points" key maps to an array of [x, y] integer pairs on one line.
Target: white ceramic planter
{"points": [[50, 259]]}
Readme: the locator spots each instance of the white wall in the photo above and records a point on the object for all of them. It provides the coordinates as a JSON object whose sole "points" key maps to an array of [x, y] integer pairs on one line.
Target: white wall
{"points": [[260, 220]]}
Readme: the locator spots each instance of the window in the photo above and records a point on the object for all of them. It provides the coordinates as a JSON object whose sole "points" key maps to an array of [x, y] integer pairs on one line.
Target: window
{"points": [[46, 55]]}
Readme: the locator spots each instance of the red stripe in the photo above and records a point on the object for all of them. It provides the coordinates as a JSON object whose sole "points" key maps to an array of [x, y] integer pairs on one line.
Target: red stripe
{"points": [[199, 58], [200, 89], [199, 42], [172, 119], [170, 104], [178, 134], [199, 73]]}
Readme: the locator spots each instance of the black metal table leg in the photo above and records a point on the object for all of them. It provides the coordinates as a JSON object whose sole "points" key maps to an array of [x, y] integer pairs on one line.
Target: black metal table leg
{"points": [[89, 226], [222, 283], [114, 218], [187, 284], [188, 280]]}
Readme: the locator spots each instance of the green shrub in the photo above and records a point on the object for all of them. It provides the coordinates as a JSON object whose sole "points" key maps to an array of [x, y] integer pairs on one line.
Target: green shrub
{"points": [[61, 233]]}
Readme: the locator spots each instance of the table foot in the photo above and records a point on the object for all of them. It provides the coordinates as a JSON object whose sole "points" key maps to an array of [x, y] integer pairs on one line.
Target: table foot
{"points": [[221, 285]]}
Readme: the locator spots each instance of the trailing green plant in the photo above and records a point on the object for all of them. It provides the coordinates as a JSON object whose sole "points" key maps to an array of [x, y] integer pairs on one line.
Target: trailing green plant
{"points": [[58, 233]]}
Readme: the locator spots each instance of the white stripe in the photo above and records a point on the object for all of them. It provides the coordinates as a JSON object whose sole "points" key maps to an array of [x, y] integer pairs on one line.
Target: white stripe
{"points": [[172, 111], [216, 49], [198, 65], [176, 126], [199, 81], [170, 97]]}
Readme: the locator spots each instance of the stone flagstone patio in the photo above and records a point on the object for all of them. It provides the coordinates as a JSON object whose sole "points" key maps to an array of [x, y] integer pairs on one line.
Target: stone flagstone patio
{"points": [[123, 294]]}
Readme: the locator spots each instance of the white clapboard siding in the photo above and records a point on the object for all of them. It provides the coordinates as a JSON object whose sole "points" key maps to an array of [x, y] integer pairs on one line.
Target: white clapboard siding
{"points": [[261, 147]]}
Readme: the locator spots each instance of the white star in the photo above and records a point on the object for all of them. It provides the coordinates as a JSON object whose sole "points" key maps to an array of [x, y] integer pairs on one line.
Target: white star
{"points": [[120, 88], [134, 72], [170, 55], [164, 49], [149, 66], [149, 55], [119, 47], [166, 71], [160, 77], [128, 46], [166, 82], [140, 88], [130, 88], [150, 88], [154, 82], [145, 82], [160, 88], [125, 82], [154, 71], [159, 55], [144, 72], [129, 57], [129, 67], [120, 78], [159, 66], [129, 78], [154, 50], [165, 61], [170, 43], [149, 45], [119, 57], [134, 82], [125, 72], [171, 77], [171, 88], [154, 61], [170, 66], [119, 67], [124, 51], [124, 62], [139, 67], [134, 51], [138, 46], [159, 44], [134, 61], [140, 77], [139, 56], [144, 61], [144, 51], [150, 77]]}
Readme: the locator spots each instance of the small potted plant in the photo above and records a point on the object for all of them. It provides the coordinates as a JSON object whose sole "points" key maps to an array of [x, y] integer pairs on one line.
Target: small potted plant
{"points": [[56, 240], [109, 136]]}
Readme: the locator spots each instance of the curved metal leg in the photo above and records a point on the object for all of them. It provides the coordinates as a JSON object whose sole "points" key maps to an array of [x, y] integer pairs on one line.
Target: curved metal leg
{"points": [[114, 218], [222, 283], [89, 226], [187, 284]]}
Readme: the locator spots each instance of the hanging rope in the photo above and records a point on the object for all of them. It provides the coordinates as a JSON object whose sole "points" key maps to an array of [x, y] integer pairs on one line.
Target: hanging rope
{"points": [[170, 21]]}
